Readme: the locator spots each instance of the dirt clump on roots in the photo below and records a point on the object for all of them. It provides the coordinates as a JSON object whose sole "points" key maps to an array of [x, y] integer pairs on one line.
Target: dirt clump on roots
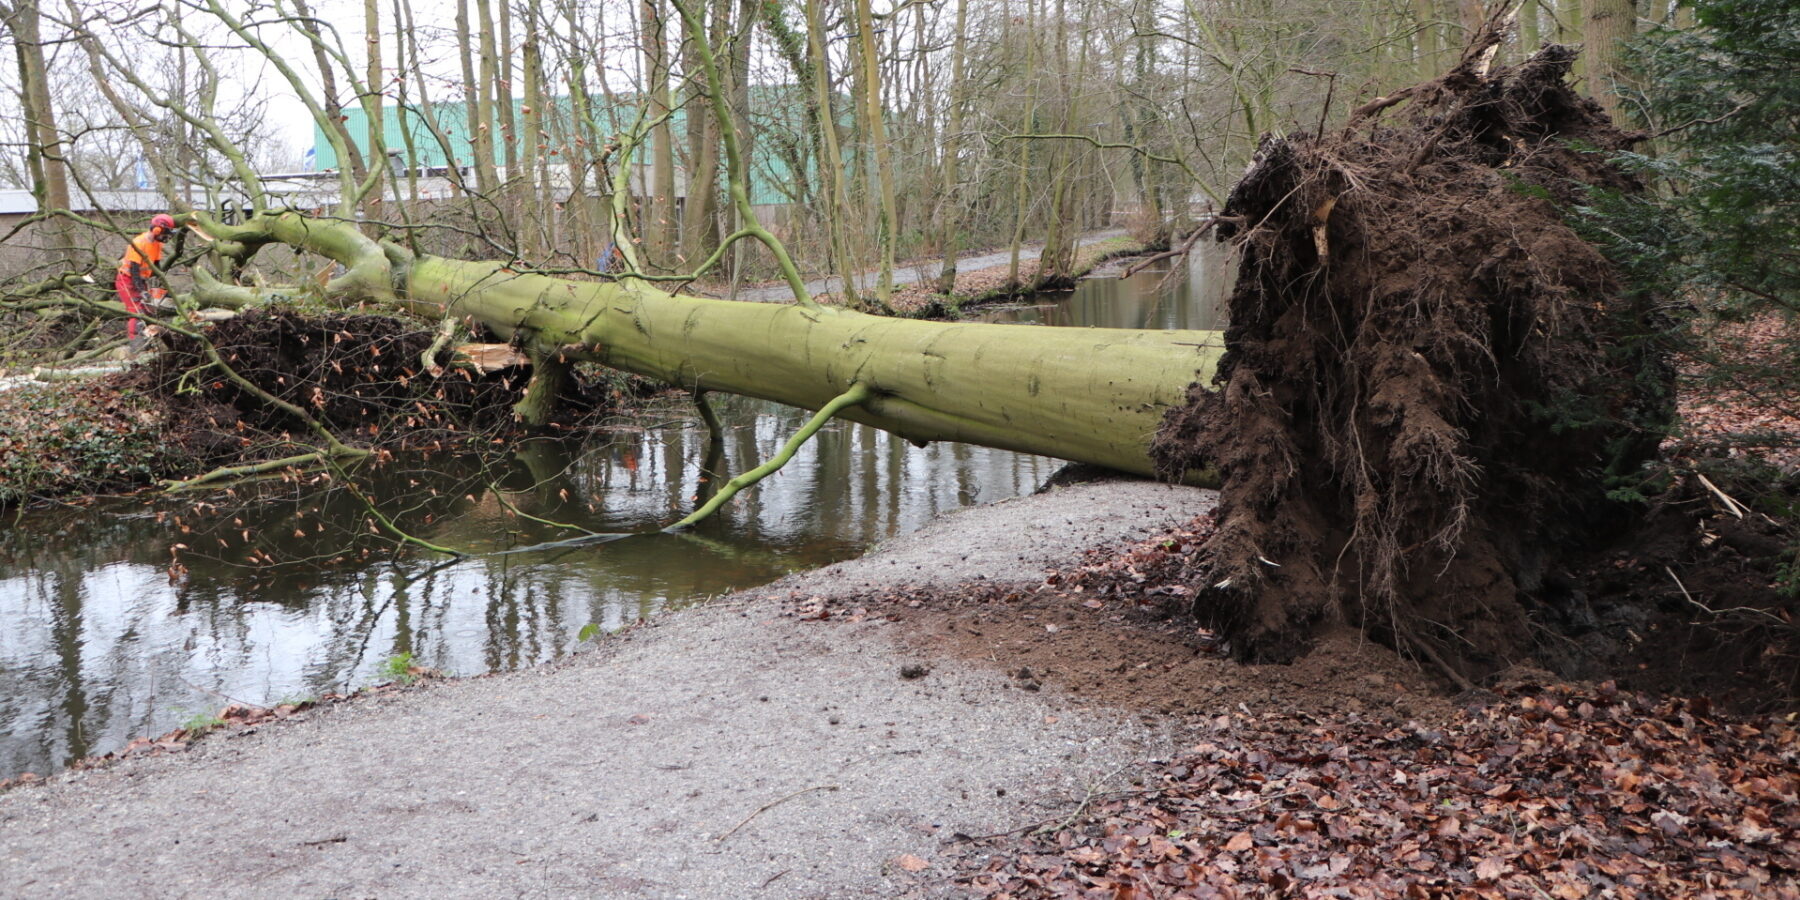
{"points": [[359, 375], [1429, 374]]}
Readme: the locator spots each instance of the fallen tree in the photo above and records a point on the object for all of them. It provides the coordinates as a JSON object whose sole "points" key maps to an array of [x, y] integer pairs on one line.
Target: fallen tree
{"points": [[1088, 395], [1430, 378]]}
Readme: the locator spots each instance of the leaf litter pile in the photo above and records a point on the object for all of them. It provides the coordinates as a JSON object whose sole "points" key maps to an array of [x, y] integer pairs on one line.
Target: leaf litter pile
{"points": [[1549, 791]]}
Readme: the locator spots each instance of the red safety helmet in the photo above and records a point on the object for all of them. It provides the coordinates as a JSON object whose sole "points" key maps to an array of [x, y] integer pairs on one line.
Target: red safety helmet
{"points": [[162, 220]]}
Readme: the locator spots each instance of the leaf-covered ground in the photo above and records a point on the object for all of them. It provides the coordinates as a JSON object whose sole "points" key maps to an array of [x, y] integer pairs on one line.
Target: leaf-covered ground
{"points": [[1736, 396], [1549, 791], [59, 438], [1347, 774]]}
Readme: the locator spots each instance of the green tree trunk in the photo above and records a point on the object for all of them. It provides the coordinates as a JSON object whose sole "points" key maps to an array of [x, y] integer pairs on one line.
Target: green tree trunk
{"points": [[1090, 395]]}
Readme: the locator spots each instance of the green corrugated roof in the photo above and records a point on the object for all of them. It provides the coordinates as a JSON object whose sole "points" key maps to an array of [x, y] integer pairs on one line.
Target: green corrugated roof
{"points": [[451, 118]]}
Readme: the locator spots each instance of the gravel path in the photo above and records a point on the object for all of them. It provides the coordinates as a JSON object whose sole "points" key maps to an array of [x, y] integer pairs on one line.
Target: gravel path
{"points": [[909, 274], [725, 751]]}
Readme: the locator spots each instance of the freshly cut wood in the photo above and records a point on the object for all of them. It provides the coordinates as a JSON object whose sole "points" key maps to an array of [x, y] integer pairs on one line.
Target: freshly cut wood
{"points": [[485, 358]]}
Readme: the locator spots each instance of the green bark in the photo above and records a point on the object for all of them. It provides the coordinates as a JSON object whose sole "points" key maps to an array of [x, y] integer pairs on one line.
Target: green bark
{"points": [[1084, 395], [1090, 395]]}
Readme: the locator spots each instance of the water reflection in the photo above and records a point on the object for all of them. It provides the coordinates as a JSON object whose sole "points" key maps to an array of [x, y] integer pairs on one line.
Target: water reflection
{"points": [[98, 643], [1186, 295], [286, 594]]}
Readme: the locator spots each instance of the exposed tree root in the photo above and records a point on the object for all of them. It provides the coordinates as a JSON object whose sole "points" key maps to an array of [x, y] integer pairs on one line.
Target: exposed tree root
{"points": [[1429, 374]]}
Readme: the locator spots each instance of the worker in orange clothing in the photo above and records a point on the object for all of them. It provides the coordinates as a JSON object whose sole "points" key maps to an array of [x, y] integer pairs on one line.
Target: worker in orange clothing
{"points": [[139, 265]]}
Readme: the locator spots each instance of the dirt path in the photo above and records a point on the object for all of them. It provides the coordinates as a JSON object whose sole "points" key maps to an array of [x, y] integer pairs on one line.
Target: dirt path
{"points": [[726, 751], [911, 274]]}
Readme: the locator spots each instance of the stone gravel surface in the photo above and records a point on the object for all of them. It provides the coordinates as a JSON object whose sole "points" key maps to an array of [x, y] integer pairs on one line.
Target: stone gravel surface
{"points": [[721, 752]]}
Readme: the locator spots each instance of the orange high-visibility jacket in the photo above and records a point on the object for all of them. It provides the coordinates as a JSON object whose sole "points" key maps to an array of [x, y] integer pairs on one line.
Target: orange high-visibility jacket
{"points": [[141, 256]]}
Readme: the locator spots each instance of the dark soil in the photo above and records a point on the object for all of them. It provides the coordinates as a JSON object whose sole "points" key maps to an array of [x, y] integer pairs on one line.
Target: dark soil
{"points": [[1429, 376], [1695, 599], [1101, 631], [359, 375]]}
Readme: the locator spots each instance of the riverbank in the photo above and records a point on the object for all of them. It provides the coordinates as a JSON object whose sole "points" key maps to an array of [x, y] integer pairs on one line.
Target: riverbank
{"points": [[737, 749], [992, 705], [979, 284]]}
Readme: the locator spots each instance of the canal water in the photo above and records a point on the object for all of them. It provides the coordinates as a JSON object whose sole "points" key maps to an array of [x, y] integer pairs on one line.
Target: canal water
{"points": [[128, 617]]}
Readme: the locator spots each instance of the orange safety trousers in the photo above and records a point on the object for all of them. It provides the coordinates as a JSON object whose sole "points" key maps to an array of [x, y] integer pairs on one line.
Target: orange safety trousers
{"points": [[135, 269]]}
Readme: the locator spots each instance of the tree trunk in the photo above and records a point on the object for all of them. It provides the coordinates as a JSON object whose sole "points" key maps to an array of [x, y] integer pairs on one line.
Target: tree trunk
{"points": [[831, 156], [350, 158], [372, 102], [950, 209], [1607, 24], [465, 53], [1022, 177], [699, 234], [1058, 256], [483, 128], [1088, 395], [503, 97], [739, 68], [874, 119], [659, 218], [44, 153], [535, 145], [403, 34]]}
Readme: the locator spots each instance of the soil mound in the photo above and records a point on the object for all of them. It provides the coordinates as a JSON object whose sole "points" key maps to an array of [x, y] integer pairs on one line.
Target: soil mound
{"points": [[1097, 628], [1697, 598], [1429, 374]]}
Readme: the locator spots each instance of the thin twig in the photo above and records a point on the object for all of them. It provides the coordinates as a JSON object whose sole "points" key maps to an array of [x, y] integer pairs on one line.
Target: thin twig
{"points": [[1712, 121], [771, 805], [1751, 610]]}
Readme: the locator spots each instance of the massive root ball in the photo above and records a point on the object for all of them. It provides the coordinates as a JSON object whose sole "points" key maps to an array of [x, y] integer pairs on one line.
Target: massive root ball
{"points": [[1429, 374]]}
